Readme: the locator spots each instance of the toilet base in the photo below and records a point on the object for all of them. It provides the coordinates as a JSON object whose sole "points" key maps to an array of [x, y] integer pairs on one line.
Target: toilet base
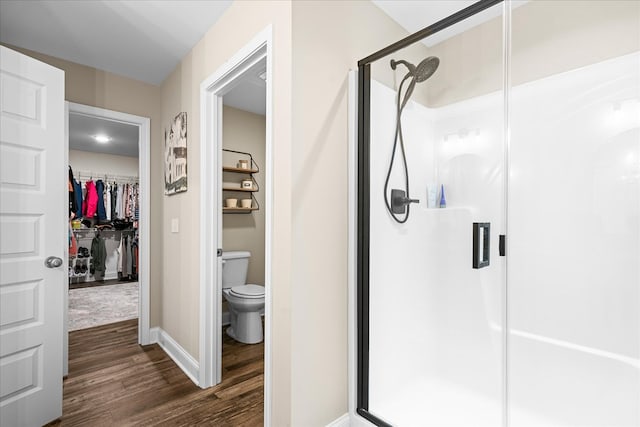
{"points": [[230, 333], [247, 327]]}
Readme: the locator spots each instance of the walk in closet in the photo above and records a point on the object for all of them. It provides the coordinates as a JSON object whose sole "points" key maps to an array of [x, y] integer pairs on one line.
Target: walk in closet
{"points": [[104, 214], [105, 228]]}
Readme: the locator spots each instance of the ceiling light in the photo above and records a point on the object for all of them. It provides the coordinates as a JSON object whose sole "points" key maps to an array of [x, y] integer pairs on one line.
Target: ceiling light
{"points": [[101, 138]]}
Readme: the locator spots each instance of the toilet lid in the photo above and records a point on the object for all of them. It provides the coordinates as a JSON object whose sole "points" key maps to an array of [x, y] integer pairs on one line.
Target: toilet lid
{"points": [[248, 291]]}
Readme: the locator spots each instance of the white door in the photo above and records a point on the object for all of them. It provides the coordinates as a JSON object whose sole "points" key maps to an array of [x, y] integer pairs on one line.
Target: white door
{"points": [[33, 211]]}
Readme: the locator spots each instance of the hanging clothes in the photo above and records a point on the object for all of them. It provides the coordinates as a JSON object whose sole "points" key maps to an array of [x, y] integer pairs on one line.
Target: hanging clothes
{"points": [[73, 243], [98, 255], [77, 190], [114, 196], [107, 201], [101, 211], [119, 207], [129, 261], [72, 196], [129, 212], [134, 247], [90, 204], [120, 251]]}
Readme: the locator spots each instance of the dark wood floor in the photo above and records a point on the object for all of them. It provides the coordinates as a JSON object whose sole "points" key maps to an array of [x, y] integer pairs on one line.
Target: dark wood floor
{"points": [[115, 382]]}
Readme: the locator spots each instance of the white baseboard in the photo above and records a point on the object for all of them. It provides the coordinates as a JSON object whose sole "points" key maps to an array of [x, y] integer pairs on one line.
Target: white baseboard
{"points": [[343, 421], [175, 351]]}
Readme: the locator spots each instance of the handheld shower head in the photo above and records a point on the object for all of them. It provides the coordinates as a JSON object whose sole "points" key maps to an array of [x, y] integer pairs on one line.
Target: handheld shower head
{"points": [[400, 200], [426, 68]]}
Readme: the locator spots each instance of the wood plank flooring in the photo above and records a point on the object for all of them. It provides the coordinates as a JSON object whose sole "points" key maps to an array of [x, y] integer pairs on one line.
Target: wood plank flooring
{"points": [[115, 382]]}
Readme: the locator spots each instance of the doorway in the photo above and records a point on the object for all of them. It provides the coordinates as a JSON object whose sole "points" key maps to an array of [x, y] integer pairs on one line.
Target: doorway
{"points": [[256, 54], [120, 224]]}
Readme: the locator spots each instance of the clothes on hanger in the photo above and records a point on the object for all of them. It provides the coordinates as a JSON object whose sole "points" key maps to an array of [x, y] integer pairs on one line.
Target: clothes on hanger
{"points": [[77, 191], [72, 196], [101, 211], [98, 255], [114, 196], [107, 200], [104, 200], [90, 203]]}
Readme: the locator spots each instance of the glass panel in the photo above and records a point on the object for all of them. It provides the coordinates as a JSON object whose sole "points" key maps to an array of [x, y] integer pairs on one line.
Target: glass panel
{"points": [[436, 343], [574, 223]]}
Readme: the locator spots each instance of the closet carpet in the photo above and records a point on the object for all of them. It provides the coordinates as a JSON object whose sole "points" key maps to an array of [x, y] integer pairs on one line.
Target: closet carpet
{"points": [[101, 305], [115, 382]]}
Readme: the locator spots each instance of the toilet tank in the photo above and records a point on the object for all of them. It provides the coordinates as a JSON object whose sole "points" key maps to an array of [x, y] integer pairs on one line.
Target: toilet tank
{"points": [[234, 268]]}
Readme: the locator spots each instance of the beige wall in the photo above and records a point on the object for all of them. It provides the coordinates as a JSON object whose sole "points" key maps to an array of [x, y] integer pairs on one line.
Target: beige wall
{"points": [[547, 38], [244, 131], [97, 88], [240, 23], [100, 163], [328, 39]]}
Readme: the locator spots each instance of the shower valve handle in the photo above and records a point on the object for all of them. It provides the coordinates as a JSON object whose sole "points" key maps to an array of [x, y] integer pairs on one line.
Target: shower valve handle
{"points": [[399, 201]]}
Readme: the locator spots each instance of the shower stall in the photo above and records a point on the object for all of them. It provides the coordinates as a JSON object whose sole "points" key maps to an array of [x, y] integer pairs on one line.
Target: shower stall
{"points": [[517, 301]]}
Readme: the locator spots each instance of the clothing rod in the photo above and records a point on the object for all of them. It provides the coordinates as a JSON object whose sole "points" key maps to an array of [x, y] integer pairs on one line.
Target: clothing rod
{"points": [[91, 230], [106, 176]]}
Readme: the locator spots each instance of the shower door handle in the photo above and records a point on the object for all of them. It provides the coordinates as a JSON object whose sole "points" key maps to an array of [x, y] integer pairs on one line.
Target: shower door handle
{"points": [[481, 246]]}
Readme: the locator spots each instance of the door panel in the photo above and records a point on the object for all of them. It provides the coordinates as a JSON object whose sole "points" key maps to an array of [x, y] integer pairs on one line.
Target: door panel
{"points": [[32, 227], [436, 318]]}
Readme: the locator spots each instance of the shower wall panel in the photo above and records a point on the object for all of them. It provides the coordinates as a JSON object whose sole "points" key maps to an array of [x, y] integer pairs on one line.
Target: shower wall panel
{"points": [[435, 338], [574, 234]]}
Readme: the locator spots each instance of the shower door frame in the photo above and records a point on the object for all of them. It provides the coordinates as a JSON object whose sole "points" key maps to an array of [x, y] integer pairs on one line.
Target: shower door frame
{"points": [[363, 202]]}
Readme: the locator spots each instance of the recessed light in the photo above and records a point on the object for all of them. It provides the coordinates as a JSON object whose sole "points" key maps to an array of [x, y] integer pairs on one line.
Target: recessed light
{"points": [[102, 138]]}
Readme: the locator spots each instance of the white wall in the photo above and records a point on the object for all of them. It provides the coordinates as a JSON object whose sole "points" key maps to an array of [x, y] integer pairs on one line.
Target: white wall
{"points": [[103, 163]]}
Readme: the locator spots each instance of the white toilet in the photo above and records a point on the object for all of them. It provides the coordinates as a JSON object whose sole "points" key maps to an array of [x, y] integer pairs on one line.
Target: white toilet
{"points": [[246, 301]]}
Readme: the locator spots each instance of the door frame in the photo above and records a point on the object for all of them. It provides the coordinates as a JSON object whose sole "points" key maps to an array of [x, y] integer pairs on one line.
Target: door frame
{"points": [[212, 90], [144, 170]]}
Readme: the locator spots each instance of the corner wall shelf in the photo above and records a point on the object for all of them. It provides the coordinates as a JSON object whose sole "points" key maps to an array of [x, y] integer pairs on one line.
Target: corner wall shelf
{"points": [[252, 169], [244, 190], [238, 210], [239, 170]]}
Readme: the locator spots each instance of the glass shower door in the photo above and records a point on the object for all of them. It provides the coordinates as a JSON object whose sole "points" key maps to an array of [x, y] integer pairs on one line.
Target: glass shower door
{"points": [[574, 215], [431, 278]]}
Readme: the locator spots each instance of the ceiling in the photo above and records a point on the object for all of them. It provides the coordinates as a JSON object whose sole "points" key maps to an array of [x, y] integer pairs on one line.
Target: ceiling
{"points": [[146, 40], [82, 129], [250, 94], [142, 40], [415, 15]]}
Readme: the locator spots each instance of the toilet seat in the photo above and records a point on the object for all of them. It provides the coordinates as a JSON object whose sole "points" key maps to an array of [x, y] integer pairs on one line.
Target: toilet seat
{"points": [[248, 291]]}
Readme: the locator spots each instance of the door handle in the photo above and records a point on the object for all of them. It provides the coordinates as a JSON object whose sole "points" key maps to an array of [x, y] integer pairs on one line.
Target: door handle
{"points": [[481, 247], [53, 262]]}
